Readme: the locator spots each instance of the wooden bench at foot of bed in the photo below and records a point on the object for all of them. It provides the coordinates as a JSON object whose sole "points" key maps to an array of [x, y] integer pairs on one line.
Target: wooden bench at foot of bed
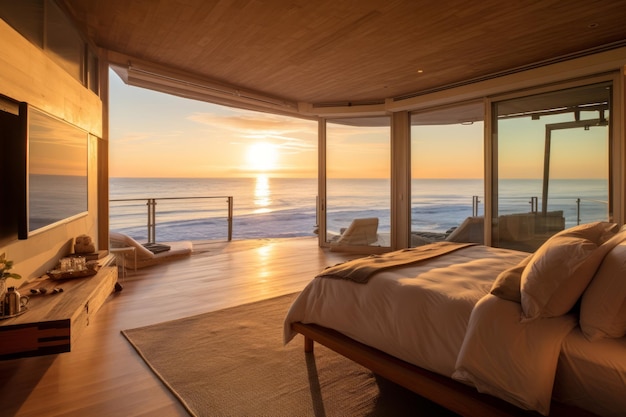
{"points": [[451, 394]]}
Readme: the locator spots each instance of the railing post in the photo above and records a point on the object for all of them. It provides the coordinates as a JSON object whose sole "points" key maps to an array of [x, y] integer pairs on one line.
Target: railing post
{"points": [[151, 220], [230, 218], [475, 202]]}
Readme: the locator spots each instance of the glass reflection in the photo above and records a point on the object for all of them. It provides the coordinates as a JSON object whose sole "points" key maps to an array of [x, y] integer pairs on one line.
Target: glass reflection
{"points": [[57, 171]]}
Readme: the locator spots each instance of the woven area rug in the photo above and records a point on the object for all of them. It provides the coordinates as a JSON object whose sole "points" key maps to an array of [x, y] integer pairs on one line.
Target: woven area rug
{"points": [[233, 363]]}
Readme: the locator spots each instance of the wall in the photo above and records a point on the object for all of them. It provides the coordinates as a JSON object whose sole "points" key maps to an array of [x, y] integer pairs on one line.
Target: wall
{"points": [[27, 74]]}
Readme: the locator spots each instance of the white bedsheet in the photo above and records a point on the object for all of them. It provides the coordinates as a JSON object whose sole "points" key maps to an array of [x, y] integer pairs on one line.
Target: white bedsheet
{"points": [[592, 375], [441, 292]]}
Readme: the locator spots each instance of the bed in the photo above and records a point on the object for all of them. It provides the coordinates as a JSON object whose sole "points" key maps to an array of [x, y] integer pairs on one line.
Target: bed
{"points": [[484, 330]]}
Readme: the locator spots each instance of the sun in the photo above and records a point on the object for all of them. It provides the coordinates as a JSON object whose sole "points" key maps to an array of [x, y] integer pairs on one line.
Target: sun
{"points": [[262, 156]]}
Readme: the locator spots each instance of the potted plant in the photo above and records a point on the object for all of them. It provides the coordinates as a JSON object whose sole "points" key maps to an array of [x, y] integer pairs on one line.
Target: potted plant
{"points": [[5, 267]]}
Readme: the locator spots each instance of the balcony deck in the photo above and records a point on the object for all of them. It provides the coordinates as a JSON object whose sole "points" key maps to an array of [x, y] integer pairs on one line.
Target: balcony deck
{"points": [[104, 376]]}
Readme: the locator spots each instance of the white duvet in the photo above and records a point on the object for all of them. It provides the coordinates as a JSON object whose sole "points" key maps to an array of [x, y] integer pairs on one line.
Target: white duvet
{"points": [[417, 313], [510, 359]]}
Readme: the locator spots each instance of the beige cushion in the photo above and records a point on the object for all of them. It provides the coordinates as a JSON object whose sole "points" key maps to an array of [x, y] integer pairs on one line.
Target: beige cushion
{"points": [[603, 304], [360, 232], [560, 270], [144, 257], [471, 230], [120, 240], [507, 284]]}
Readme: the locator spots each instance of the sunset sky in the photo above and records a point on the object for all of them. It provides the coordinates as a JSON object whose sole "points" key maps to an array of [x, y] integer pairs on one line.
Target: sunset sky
{"points": [[159, 135]]}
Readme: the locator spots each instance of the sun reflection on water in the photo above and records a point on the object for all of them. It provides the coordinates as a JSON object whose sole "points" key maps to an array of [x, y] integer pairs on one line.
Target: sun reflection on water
{"points": [[262, 194]]}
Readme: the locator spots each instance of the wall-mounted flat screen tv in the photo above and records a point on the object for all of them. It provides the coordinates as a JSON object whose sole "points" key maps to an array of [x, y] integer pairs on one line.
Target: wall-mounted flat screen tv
{"points": [[56, 179]]}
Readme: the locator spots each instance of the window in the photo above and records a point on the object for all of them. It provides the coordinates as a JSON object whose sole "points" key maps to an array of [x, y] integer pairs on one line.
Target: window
{"points": [[551, 168], [358, 181], [44, 25], [447, 167]]}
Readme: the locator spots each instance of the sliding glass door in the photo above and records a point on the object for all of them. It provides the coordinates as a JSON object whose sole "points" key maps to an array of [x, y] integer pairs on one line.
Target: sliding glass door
{"points": [[551, 168], [447, 186], [357, 201]]}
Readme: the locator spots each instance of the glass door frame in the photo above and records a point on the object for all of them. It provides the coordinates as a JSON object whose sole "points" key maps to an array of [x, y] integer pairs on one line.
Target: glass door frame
{"points": [[616, 174], [321, 185], [456, 113], [400, 147], [322, 200]]}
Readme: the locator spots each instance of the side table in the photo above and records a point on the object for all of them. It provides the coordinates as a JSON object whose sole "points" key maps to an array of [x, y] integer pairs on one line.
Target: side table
{"points": [[53, 322]]}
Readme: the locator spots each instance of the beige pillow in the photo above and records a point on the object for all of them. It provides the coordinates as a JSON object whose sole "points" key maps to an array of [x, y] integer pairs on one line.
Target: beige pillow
{"points": [[507, 284], [603, 304], [561, 269]]}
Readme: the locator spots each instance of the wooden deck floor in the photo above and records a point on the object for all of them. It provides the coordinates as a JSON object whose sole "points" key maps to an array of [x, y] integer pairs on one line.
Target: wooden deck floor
{"points": [[103, 375]]}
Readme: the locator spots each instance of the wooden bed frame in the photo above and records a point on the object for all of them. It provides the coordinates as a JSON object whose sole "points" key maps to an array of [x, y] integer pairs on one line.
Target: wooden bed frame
{"points": [[453, 395]]}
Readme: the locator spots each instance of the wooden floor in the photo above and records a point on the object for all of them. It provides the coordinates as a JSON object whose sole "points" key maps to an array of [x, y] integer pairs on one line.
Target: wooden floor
{"points": [[103, 375]]}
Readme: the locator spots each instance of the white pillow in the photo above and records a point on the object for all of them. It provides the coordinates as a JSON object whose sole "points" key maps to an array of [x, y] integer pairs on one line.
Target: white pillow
{"points": [[603, 305], [561, 269]]}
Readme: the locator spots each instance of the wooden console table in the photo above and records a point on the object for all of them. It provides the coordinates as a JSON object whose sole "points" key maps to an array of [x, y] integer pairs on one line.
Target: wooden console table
{"points": [[53, 322]]}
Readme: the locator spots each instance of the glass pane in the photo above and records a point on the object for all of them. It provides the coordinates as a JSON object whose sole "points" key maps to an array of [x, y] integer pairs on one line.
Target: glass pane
{"points": [[26, 17], [57, 170], [447, 175], [92, 72], [63, 43], [358, 182], [552, 164]]}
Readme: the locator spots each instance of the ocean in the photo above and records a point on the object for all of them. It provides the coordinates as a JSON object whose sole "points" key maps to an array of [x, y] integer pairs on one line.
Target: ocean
{"points": [[266, 207]]}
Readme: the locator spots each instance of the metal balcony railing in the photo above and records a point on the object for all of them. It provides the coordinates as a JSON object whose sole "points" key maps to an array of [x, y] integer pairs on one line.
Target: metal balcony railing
{"points": [[152, 205], [587, 200]]}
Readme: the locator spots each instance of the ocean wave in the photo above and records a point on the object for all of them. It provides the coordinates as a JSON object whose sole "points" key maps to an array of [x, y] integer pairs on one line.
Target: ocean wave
{"points": [[289, 208]]}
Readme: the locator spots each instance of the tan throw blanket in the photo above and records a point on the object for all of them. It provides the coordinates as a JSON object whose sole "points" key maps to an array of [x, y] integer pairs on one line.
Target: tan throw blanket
{"points": [[360, 270]]}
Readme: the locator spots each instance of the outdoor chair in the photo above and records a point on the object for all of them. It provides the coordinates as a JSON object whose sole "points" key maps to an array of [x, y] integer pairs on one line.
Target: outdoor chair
{"points": [[361, 232], [141, 256]]}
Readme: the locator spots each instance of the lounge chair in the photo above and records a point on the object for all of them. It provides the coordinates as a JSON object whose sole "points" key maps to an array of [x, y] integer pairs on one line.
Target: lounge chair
{"points": [[471, 230], [361, 232], [142, 256]]}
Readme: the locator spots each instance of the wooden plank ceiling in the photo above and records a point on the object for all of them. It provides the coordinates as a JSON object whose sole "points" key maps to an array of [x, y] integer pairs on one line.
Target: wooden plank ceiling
{"points": [[349, 51]]}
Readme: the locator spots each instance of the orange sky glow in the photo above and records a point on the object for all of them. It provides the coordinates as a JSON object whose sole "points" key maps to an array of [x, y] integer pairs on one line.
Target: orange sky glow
{"points": [[158, 135]]}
